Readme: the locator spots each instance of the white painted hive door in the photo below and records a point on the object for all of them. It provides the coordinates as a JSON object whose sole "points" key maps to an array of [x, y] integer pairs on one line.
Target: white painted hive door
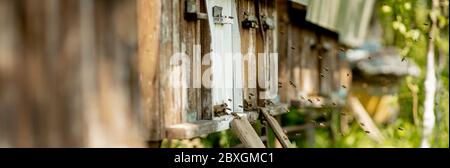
{"points": [[226, 62]]}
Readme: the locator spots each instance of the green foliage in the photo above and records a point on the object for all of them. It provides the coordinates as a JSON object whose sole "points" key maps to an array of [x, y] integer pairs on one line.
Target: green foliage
{"points": [[407, 26]]}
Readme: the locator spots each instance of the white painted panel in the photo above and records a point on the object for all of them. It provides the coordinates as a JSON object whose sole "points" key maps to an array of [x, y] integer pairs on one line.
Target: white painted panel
{"points": [[227, 71]]}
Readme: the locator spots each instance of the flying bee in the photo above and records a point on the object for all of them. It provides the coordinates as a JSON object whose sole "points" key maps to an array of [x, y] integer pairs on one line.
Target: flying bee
{"points": [[400, 128], [362, 124], [240, 106], [251, 94], [326, 69], [343, 86], [220, 110], [334, 104], [321, 124], [403, 59], [367, 132], [292, 84], [310, 100], [321, 75], [318, 99], [370, 57], [293, 48], [235, 115], [268, 102], [348, 74], [230, 100]]}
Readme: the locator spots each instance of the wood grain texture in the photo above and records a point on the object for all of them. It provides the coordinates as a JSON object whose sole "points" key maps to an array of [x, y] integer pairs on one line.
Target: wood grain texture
{"points": [[245, 132], [365, 121], [277, 129], [149, 70]]}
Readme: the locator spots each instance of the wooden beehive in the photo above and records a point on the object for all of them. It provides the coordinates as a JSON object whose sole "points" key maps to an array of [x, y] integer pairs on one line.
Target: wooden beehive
{"points": [[189, 112], [310, 58], [99, 73]]}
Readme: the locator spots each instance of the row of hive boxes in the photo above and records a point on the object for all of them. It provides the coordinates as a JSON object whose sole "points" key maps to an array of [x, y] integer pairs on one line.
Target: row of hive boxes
{"points": [[315, 63], [311, 60], [305, 53]]}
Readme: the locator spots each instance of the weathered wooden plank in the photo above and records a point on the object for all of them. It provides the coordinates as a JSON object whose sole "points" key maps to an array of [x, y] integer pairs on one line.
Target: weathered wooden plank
{"points": [[246, 133], [279, 132], [149, 67], [248, 49], [365, 121], [196, 85], [283, 48], [197, 128], [201, 127], [206, 91], [329, 64], [189, 38], [309, 63]]}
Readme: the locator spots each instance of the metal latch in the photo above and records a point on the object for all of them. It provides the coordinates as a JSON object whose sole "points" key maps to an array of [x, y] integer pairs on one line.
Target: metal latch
{"points": [[250, 21], [268, 23], [192, 11], [219, 18]]}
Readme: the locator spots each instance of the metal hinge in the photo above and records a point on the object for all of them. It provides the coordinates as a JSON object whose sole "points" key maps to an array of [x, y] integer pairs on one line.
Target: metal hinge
{"points": [[219, 18], [250, 21], [192, 11]]}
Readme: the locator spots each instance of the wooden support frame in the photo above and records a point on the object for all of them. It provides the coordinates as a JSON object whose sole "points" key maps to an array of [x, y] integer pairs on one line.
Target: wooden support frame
{"points": [[279, 132], [202, 127], [365, 121], [246, 133]]}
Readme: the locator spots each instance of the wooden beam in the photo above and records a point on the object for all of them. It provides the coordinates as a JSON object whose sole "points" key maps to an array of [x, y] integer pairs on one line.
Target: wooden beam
{"points": [[189, 130], [246, 133], [365, 121], [279, 133], [149, 13], [202, 127], [195, 129]]}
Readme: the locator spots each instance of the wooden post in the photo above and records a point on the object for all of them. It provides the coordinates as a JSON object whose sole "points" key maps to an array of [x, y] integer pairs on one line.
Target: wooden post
{"points": [[365, 121], [246, 133], [149, 15], [279, 133]]}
